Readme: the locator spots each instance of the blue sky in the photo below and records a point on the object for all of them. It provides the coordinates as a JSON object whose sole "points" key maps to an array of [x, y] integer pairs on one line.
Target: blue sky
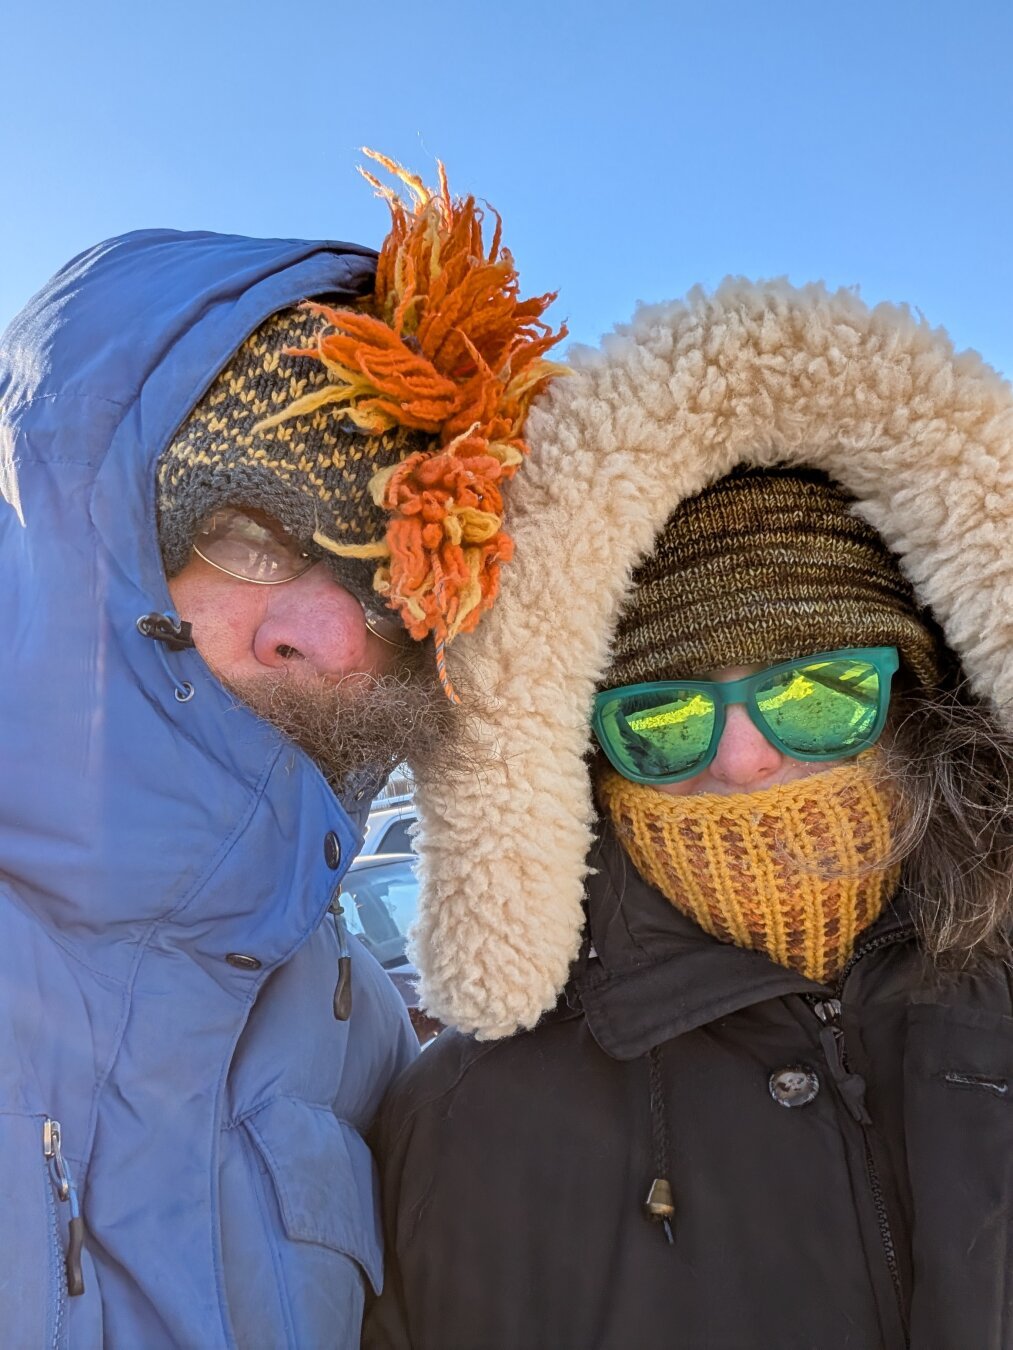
{"points": [[634, 149]]}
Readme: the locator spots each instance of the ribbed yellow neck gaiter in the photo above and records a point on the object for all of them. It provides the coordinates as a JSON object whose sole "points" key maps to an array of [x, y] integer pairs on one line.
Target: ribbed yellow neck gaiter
{"points": [[792, 871]]}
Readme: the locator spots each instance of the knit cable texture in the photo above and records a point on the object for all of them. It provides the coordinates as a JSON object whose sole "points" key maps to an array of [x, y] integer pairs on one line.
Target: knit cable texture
{"points": [[793, 871]]}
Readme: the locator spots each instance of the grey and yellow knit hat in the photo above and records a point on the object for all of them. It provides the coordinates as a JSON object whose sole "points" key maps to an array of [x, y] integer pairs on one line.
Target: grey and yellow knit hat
{"points": [[764, 566], [311, 472], [382, 435]]}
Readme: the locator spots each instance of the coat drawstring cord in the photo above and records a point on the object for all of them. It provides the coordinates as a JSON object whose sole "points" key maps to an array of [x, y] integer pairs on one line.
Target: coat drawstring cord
{"points": [[342, 1001], [169, 632], [659, 1204]]}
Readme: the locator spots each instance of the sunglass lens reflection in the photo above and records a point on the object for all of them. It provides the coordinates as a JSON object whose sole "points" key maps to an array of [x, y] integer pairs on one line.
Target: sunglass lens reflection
{"points": [[658, 737], [824, 707]]}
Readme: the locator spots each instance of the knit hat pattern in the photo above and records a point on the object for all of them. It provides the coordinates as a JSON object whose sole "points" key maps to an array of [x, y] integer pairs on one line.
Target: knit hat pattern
{"points": [[397, 422], [765, 566], [310, 472]]}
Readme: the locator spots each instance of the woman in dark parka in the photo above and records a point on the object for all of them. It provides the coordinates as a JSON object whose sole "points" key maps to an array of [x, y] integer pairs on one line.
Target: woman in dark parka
{"points": [[732, 983]]}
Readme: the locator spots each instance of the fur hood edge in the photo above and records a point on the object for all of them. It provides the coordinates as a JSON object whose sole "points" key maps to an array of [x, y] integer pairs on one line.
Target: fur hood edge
{"points": [[756, 374]]}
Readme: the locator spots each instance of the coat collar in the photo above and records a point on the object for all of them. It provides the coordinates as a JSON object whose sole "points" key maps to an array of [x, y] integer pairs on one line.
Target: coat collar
{"points": [[647, 973]]}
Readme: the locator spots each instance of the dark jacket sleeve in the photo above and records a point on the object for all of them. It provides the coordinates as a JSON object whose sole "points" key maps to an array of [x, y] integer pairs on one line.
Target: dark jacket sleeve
{"points": [[411, 1140], [386, 1323], [385, 1326]]}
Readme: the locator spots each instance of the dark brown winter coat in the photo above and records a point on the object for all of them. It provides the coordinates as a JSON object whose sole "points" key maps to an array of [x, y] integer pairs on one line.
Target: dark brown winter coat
{"points": [[842, 1180]]}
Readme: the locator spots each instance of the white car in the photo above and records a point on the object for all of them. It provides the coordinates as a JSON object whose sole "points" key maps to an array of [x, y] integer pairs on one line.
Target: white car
{"points": [[388, 828], [379, 897]]}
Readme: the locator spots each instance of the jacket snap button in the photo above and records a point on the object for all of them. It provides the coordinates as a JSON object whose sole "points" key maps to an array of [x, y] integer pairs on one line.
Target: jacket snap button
{"points": [[332, 850], [242, 962], [795, 1086]]}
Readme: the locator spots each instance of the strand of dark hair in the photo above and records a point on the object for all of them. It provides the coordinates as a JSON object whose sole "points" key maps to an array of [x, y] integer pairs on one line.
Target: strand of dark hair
{"points": [[952, 760]]}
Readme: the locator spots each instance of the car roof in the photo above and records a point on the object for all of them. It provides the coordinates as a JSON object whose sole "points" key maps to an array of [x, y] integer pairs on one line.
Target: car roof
{"points": [[393, 806], [374, 859]]}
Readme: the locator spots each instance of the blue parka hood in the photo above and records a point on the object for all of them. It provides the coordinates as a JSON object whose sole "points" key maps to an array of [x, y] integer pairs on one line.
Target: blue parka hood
{"points": [[98, 374], [147, 842]]}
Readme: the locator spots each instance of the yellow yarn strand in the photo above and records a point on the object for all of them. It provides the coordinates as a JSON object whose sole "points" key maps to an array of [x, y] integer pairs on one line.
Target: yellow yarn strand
{"points": [[377, 549], [794, 871]]}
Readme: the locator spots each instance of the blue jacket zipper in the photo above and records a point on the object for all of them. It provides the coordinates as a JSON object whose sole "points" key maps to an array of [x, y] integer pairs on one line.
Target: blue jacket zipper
{"points": [[66, 1191]]}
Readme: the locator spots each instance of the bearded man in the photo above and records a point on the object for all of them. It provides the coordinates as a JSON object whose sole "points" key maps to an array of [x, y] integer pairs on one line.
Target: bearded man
{"points": [[223, 630]]}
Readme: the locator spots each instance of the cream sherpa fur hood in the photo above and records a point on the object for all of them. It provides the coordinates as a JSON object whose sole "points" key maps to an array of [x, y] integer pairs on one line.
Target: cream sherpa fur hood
{"points": [[921, 436]]}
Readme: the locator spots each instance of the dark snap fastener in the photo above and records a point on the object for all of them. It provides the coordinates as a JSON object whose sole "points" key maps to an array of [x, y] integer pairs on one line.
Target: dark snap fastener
{"points": [[242, 962], [332, 850], [794, 1086]]}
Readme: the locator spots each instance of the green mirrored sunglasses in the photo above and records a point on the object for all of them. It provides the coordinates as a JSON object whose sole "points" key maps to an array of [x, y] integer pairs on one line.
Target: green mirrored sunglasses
{"points": [[825, 707]]}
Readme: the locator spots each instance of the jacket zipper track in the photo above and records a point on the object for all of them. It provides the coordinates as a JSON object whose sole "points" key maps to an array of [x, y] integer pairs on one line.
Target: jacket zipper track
{"points": [[56, 1257], [828, 1012], [876, 1186], [875, 944], [64, 1189]]}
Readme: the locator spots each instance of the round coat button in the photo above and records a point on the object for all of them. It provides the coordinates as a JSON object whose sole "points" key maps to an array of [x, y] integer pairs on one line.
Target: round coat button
{"points": [[794, 1086], [243, 962], [332, 850]]}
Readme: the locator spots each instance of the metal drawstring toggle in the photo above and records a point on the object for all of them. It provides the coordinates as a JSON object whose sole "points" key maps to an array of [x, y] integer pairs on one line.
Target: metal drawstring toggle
{"points": [[172, 635], [175, 633]]}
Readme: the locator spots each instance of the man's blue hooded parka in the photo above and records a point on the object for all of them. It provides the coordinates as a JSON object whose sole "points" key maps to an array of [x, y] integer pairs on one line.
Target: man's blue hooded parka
{"points": [[167, 962]]}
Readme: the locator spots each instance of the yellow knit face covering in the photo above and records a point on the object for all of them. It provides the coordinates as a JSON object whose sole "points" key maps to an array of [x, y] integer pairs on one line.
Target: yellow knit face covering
{"points": [[793, 871]]}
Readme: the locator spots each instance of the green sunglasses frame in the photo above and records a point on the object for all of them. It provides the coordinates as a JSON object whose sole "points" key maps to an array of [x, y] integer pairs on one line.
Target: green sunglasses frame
{"points": [[884, 660]]}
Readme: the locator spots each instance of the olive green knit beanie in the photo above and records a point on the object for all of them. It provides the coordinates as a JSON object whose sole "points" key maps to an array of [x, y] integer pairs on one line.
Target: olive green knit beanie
{"points": [[764, 566]]}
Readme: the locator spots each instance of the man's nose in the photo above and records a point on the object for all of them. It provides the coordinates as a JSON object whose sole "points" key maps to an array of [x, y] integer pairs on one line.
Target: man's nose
{"points": [[312, 625], [744, 758]]}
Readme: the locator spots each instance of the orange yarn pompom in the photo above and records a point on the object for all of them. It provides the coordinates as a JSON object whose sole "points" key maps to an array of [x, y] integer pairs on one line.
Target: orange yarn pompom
{"points": [[447, 347]]}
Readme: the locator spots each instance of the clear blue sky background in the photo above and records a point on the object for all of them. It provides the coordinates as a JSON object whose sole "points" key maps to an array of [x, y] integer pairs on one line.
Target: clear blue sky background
{"points": [[633, 148]]}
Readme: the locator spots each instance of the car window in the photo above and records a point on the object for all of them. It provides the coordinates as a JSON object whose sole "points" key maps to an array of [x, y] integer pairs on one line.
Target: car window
{"points": [[379, 904], [397, 839]]}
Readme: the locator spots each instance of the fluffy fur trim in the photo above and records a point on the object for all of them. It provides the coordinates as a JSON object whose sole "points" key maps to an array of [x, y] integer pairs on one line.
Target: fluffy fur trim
{"points": [[752, 374]]}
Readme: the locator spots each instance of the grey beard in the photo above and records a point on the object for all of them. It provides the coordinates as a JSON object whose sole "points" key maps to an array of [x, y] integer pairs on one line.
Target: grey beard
{"points": [[364, 725]]}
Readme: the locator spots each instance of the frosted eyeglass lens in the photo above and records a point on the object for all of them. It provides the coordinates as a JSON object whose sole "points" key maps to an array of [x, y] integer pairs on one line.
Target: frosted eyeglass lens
{"points": [[249, 548]]}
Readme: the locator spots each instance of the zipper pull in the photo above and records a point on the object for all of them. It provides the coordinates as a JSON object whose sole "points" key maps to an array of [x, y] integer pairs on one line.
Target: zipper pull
{"points": [[850, 1085], [342, 1001], [66, 1191]]}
